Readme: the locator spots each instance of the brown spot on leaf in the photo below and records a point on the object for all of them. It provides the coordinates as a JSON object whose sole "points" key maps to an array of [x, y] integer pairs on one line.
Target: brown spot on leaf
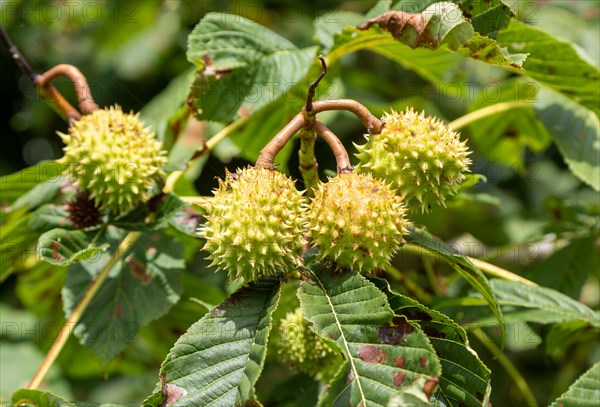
{"points": [[399, 362], [119, 310], [207, 60], [399, 379], [430, 385], [371, 354], [138, 270], [55, 246], [394, 334], [170, 392], [423, 362]]}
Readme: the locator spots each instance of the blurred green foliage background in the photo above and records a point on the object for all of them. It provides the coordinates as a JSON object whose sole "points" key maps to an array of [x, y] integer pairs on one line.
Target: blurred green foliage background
{"points": [[131, 50]]}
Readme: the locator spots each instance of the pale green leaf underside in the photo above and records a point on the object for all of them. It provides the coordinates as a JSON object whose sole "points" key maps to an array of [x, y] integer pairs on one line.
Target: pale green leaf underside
{"points": [[524, 302], [219, 359], [386, 356], [585, 392]]}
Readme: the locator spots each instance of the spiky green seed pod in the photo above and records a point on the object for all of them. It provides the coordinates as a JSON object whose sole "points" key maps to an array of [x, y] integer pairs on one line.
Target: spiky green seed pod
{"points": [[357, 220], [420, 156], [114, 158], [301, 348], [255, 224]]}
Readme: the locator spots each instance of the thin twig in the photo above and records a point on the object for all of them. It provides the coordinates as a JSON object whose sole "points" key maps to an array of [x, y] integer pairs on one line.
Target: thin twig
{"points": [[313, 86], [80, 309], [48, 93], [510, 368], [17, 56], [487, 111], [84, 94], [372, 123], [341, 155]]}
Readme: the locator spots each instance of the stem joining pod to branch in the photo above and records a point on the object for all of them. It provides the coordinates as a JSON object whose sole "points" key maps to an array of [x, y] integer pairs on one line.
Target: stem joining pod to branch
{"points": [[84, 94], [307, 121]]}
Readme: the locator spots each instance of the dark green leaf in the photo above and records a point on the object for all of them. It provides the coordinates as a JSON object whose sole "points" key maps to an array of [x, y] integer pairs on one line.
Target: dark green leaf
{"points": [[243, 66], [143, 285], [386, 356], [40, 194], [584, 392], [557, 63], [465, 380], [538, 304], [576, 131], [257, 132], [218, 360]]}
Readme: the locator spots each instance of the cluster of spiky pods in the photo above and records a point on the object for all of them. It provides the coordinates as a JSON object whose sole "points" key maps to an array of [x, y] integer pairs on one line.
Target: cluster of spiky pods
{"points": [[259, 224]]}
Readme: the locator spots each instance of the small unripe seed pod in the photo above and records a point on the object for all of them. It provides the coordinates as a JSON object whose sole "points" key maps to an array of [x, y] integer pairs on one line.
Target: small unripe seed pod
{"points": [[420, 156], [113, 158], [301, 348], [357, 221], [255, 224]]}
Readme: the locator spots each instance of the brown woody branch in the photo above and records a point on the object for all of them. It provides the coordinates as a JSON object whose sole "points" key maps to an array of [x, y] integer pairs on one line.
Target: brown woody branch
{"points": [[372, 123], [84, 94]]}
